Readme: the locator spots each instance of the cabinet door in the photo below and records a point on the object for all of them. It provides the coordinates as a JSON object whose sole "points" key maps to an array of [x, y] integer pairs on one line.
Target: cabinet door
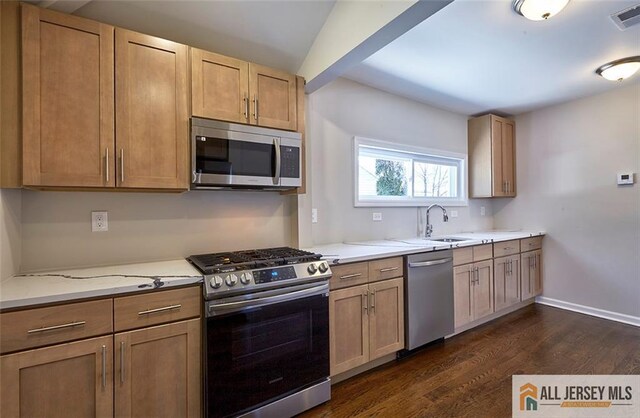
{"points": [[527, 275], [273, 97], [348, 328], [508, 158], [506, 281], [68, 137], [462, 294], [219, 87], [157, 371], [386, 317], [497, 156], [536, 273], [152, 130], [67, 380], [483, 289]]}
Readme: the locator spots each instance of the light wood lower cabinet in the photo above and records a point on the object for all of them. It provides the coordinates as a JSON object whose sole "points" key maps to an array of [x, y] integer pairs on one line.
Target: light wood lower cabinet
{"points": [[365, 322], [67, 380], [473, 291], [531, 274], [506, 281], [158, 371]]}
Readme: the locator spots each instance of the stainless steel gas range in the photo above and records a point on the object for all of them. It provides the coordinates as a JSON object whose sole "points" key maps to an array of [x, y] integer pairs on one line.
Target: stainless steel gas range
{"points": [[266, 341]]}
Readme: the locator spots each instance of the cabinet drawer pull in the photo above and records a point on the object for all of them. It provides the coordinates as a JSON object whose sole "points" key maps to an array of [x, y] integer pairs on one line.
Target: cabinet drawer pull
{"points": [[384, 270], [156, 310], [104, 366], [56, 327], [350, 276]]}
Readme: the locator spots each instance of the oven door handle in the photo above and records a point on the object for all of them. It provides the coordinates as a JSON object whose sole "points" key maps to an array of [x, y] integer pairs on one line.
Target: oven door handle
{"points": [[229, 307]]}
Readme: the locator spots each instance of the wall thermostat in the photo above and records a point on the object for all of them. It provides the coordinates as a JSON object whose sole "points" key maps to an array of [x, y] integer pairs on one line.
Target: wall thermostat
{"points": [[626, 178]]}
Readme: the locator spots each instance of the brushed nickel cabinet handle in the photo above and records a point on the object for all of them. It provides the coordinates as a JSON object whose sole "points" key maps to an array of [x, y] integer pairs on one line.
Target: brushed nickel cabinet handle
{"points": [[384, 270], [350, 276], [156, 310], [373, 301], [122, 165], [104, 366], [255, 107], [245, 102], [365, 302], [106, 164], [56, 327], [121, 361]]}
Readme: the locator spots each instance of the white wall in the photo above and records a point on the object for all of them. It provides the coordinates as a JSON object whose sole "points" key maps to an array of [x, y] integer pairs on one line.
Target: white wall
{"points": [[567, 159], [344, 109], [10, 231], [56, 226]]}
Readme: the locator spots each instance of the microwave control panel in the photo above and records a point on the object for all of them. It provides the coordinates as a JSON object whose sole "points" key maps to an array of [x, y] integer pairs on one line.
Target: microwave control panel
{"points": [[290, 166]]}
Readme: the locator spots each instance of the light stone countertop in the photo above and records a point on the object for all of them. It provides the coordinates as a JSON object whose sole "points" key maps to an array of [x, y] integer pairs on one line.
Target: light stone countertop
{"points": [[349, 252], [66, 285]]}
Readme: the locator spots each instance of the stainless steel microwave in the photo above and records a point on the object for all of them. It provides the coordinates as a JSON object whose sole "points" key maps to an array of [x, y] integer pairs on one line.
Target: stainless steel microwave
{"points": [[229, 155]]}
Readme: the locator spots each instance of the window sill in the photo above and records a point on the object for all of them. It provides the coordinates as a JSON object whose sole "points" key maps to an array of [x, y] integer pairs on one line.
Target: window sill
{"points": [[409, 204]]}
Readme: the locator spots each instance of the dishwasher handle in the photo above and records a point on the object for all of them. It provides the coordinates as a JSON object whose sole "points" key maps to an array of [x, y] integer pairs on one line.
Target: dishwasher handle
{"points": [[430, 263]]}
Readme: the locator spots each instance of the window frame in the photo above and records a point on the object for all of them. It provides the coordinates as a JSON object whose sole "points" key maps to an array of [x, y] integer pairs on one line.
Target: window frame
{"points": [[416, 154]]}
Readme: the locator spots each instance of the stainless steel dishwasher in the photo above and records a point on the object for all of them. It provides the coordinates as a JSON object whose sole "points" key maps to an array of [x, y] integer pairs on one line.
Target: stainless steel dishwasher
{"points": [[428, 297]]}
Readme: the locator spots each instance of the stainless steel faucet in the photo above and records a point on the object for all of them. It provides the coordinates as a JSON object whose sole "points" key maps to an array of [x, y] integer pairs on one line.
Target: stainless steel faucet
{"points": [[428, 227]]}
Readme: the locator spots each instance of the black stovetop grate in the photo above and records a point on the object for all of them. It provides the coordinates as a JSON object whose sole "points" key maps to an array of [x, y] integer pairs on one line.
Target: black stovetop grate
{"points": [[242, 260]]}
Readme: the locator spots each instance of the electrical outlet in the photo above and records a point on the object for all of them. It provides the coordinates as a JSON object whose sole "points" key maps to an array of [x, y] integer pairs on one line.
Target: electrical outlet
{"points": [[454, 213], [99, 222], [482, 211], [314, 216], [377, 216]]}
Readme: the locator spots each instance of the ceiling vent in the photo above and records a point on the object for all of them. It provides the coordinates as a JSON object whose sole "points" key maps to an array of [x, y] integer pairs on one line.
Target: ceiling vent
{"points": [[626, 18]]}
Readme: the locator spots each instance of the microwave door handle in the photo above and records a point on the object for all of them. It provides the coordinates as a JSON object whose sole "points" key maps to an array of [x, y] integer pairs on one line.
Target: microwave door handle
{"points": [[276, 143]]}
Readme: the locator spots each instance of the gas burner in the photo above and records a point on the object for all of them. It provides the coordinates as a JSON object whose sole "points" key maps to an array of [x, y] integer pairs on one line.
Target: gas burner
{"points": [[250, 259]]}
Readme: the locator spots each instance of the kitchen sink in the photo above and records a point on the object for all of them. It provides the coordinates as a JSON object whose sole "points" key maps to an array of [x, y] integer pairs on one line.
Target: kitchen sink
{"points": [[449, 239]]}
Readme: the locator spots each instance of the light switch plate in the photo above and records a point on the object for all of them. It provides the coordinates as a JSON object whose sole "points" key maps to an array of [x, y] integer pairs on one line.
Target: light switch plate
{"points": [[377, 216], [314, 216], [482, 211], [454, 213], [99, 221], [626, 178]]}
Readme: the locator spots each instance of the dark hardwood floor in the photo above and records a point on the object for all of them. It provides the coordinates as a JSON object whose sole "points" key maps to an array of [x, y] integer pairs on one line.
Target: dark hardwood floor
{"points": [[469, 375]]}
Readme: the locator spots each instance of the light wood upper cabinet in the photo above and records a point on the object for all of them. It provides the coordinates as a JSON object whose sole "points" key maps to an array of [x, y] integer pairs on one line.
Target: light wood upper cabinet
{"points": [[491, 149], [506, 281], [233, 90], [273, 96], [348, 328], [386, 317], [68, 100], [531, 274], [68, 380], [152, 118], [219, 87], [158, 371]]}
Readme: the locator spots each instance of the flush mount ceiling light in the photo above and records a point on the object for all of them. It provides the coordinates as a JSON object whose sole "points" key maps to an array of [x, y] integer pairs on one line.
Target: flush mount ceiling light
{"points": [[539, 9], [620, 69]]}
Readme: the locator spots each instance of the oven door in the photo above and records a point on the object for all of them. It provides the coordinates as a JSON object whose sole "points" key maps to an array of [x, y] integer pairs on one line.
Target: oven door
{"points": [[230, 158], [263, 349]]}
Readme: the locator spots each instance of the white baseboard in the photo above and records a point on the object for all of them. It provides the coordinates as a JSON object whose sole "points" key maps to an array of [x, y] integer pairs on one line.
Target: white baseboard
{"points": [[587, 310]]}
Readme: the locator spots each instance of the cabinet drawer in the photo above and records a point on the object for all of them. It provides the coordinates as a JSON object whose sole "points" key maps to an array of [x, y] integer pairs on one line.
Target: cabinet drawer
{"points": [[463, 256], [501, 249], [156, 308], [482, 252], [346, 275], [387, 268], [529, 244], [45, 326]]}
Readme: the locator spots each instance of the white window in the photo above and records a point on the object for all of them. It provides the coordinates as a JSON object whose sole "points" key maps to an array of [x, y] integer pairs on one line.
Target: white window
{"points": [[388, 174]]}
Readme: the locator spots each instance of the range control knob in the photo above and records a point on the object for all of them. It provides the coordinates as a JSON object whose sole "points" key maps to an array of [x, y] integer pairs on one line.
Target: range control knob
{"points": [[215, 282], [312, 269], [231, 280], [245, 278], [323, 267]]}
